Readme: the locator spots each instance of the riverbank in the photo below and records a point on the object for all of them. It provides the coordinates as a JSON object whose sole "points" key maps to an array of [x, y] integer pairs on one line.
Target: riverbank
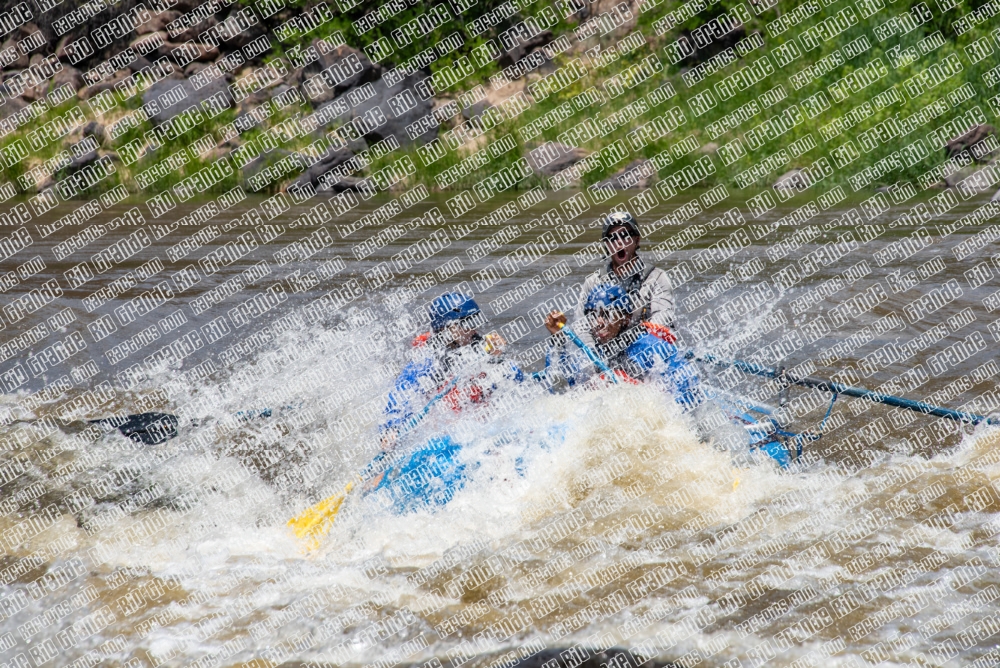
{"points": [[626, 97]]}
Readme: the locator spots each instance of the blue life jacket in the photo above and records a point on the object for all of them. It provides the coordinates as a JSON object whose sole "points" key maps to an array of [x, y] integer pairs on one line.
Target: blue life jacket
{"points": [[648, 358], [651, 353]]}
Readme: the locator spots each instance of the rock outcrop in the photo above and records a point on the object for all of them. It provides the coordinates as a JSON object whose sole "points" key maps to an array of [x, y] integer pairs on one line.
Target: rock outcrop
{"points": [[794, 180], [173, 96], [553, 157], [977, 142]]}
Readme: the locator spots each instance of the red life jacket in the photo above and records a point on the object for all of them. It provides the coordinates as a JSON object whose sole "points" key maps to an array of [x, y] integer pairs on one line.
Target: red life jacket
{"points": [[660, 331], [459, 395], [621, 376]]}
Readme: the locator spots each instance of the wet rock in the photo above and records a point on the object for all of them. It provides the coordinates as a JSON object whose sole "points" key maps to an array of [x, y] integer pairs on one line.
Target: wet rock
{"points": [[352, 183], [350, 61], [195, 31], [295, 77], [953, 179], [341, 111], [140, 63], [184, 96], [553, 157], [35, 92], [145, 43], [638, 174], [278, 91], [976, 142], [792, 180], [189, 50]]}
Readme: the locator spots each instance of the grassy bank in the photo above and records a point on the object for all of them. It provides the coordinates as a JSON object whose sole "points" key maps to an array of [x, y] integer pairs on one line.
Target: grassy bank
{"points": [[859, 95]]}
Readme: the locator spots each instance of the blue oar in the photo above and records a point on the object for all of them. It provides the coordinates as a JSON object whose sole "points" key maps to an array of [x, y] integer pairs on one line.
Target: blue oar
{"points": [[598, 362], [314, 522], [847, 390]]}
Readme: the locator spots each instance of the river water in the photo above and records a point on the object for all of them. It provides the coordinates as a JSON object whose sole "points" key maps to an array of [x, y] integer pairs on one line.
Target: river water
{"points": [[621, 529]]}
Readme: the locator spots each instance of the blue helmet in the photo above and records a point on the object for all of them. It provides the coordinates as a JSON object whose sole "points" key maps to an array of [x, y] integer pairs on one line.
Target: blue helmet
{"points": [[449, 307], [607, 297]]}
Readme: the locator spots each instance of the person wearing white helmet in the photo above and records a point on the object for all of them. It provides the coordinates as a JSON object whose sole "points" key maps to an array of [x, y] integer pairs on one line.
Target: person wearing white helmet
{"points": [[452, 348], [648, 287]]}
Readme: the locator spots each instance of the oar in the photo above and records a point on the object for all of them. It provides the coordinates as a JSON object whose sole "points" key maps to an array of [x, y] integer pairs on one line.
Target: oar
{"points": [[847, 390], [146, 428], [155, 428], [598, 362], [314, 522]]}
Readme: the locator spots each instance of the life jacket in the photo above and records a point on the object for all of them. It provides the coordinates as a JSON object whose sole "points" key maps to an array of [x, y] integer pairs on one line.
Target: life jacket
{"points": [[421, 339], [621, 376], [459, 396], [660, 331]]}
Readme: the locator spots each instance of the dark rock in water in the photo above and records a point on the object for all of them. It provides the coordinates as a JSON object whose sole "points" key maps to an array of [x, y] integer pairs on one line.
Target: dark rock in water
{"points": [[637, 174], [174, 96], [973, 142], [964, 181], [339, 70]]}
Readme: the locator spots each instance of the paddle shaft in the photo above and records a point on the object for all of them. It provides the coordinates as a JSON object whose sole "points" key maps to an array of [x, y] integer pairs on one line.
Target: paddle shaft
{"points": [[316, 519], [847, 390], [598, 362]]}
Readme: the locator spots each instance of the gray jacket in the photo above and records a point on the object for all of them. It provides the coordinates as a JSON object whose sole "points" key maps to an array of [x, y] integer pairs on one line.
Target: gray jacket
{"points": [[649, 288]]}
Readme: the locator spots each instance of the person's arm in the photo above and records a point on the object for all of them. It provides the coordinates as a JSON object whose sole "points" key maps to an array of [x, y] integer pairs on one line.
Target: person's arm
{"points": [[403, 399], [662, 310], [564, 367], [579, 323]]}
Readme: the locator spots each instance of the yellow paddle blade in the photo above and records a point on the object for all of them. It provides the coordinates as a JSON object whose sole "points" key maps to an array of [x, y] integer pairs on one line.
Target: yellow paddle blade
{"points": [[314, 522]]}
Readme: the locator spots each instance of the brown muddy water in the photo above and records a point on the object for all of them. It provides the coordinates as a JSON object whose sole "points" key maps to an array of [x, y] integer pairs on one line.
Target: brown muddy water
{"points": [[878, 545]]}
